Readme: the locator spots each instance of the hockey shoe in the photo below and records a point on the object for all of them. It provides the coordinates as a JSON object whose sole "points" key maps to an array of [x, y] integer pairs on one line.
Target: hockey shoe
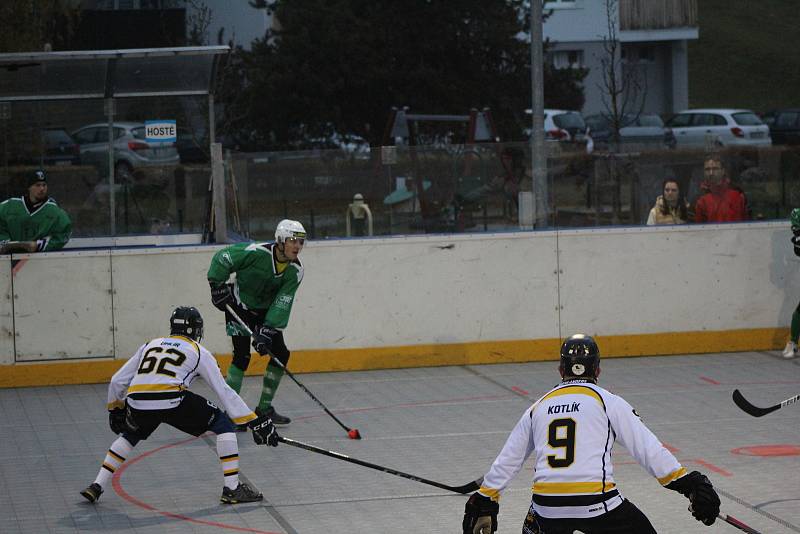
{"points": [[790, 351], [242, 493], [93, 492], [277, 419]]}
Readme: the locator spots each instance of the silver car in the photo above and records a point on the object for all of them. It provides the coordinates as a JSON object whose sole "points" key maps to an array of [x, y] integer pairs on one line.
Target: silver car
{"points": [[704, 127], [131, 149]]}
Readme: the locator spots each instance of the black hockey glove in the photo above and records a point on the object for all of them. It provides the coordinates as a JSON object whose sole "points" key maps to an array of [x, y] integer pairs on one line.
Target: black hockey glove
{"points": [[480, 515], [221, 295], [700, 492], [116, 420], [795, 231], [262, 339], [264, 431]]}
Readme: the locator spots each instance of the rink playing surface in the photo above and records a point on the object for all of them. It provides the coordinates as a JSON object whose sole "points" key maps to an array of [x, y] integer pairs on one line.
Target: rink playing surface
{"points": [[443, 423]]}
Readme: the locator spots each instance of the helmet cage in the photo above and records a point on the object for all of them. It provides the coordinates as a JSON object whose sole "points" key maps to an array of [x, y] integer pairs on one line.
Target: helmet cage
{"points": [[580, 357]]}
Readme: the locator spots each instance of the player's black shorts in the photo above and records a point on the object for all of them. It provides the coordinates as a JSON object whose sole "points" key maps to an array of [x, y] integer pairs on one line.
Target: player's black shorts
{"points": [[194, 415], [624, 519]]}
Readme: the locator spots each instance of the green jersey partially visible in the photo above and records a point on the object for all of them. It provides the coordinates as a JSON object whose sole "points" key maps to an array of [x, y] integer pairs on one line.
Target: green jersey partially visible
{"points": [[262, 283], [48, 224]]}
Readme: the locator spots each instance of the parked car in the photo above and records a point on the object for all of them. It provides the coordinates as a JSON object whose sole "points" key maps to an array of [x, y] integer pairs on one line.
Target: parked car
{"points": [[642, 129], [562, 125], [48, 146], [784, 126], [698, 127], [131, 150]]}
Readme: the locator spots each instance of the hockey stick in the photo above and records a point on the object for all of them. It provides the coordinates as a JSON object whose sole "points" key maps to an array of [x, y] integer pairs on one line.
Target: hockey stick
{"points": [[755, 411], [736, 523], [466, 488], [352, 433]]}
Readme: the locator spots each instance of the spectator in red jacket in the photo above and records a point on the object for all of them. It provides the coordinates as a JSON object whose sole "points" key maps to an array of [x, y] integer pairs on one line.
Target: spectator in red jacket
{"points": [[721, 202]]}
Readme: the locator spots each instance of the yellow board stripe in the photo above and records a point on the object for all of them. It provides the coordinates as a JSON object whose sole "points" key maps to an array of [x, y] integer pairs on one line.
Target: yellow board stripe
{"points": [[571, 488], [98, 371], [672, 476]]}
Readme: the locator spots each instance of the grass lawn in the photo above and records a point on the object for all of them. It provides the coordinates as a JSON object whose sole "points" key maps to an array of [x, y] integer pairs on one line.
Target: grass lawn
{"points": [[747, 55]]}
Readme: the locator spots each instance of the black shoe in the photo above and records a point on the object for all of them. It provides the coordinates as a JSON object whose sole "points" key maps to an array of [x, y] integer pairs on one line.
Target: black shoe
{"points": [[277, 419], [93, 492], [242, 493]]}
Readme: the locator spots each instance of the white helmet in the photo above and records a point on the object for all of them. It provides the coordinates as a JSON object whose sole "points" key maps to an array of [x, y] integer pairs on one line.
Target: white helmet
{"points": [[289, 229]]}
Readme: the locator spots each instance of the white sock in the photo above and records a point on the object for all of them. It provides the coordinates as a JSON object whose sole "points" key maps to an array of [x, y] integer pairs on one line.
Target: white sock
{"points": [[116, 455], [228, 451]]}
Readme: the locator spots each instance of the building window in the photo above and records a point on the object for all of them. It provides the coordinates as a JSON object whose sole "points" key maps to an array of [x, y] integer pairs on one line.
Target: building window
{"points": [[567, 59]]}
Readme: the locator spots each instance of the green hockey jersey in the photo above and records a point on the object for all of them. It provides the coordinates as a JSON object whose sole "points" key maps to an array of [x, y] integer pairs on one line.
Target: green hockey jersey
{"points": [[48, 224], [262, 283]]}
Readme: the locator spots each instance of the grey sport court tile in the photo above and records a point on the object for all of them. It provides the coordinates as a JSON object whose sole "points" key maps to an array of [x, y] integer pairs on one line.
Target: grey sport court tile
{"points": [[442, 423]]}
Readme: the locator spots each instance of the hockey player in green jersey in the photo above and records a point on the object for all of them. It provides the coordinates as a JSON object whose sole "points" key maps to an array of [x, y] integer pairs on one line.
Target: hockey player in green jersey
{"points": [[791, 347], [34, 222], [262, 292]]}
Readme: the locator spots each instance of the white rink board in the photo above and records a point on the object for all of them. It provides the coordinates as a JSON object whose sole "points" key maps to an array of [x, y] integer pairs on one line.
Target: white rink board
{"points": [[6, 315], [150, 283], [62, 306], [404, 291], [678, 279], [426, 290]]}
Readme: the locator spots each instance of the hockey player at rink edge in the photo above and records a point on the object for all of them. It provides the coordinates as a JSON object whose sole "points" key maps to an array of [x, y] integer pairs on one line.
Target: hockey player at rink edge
{"points": [[152, 388], [571, 431]]}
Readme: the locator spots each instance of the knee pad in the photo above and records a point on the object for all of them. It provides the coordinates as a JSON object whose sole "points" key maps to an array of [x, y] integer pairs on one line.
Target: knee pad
{"points": [[241, 352], [221, 423]]}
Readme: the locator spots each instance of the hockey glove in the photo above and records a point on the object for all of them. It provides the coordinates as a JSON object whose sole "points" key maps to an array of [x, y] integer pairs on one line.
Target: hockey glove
{"points": [[221, 295], [264, 431], [700, 492], [480, 515], [262, 339], [116, 420]]}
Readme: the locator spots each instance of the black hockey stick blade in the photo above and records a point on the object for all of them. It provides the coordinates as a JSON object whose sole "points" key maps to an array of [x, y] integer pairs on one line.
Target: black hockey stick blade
{"points": [[755, 411], [466, 488], [352, 433], [738, 524]]}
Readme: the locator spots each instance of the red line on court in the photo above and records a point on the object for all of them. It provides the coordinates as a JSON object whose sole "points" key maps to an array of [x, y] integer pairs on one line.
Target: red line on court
{"points": [[519, 390], [710, 380], [711, 467], [117, 484]]}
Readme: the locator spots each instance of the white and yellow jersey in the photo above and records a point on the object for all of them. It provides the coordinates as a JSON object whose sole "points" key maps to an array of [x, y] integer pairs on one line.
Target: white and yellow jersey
{"points": [[571, 431], [157, 375]]}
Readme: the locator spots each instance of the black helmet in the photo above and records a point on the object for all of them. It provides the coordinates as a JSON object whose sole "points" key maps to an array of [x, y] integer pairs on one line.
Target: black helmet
{"points": [[580, 357], [186, 321]]}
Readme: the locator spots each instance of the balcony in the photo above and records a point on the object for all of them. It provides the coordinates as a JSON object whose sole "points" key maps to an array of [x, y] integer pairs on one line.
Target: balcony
{"points": [[638, 15]]}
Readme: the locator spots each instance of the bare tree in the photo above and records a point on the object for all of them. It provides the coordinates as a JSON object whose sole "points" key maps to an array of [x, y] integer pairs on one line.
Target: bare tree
{"points": [[623, 89]]}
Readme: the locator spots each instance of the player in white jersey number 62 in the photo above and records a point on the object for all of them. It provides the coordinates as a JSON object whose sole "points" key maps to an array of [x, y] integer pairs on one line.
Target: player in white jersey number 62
{"points": [[152, 388]]}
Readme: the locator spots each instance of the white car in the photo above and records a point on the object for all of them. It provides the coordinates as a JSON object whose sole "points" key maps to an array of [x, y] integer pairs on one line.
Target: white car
{"points": [[562, 125], [131, 149], [702, 127]]}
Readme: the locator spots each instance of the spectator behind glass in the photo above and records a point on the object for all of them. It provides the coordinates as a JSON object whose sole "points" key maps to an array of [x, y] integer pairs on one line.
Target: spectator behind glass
{"points": [[721, 203], [671, 206], [34, 222]]}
